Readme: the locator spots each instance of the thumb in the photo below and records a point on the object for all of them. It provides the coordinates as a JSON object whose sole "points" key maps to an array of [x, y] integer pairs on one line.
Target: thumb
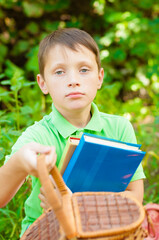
{"points": [[50, 159]]}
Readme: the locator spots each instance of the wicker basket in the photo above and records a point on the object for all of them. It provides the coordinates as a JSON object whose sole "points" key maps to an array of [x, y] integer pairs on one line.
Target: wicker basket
{"points": [[46, 227], [88, 215]]}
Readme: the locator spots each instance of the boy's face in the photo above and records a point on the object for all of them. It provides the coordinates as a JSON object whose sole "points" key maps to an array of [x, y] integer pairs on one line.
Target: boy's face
{"points": [[71, 78]]}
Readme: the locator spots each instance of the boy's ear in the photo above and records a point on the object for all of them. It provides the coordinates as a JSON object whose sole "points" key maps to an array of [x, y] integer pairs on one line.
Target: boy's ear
{"points": [[42, 84], [100, 78]]}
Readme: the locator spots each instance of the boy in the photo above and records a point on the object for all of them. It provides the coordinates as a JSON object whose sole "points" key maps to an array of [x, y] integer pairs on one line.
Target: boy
{"points": [[71, 73]]}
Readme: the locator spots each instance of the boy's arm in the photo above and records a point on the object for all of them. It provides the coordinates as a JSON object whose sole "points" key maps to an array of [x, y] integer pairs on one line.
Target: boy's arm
{"points": [[136, 189], [12, 177], [21, 164], [136, 186]]}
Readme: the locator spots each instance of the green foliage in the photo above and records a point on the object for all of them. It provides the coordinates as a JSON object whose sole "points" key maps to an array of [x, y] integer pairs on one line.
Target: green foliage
{"points": [[12, 214], [148, 134], [127, 33]]}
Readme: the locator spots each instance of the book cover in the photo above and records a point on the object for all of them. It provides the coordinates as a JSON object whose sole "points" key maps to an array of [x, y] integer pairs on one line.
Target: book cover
{"points": [[102, 164]]}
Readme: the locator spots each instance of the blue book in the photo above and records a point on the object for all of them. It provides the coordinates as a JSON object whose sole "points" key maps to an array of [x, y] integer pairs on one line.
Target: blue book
{"points": [[102, 164]]}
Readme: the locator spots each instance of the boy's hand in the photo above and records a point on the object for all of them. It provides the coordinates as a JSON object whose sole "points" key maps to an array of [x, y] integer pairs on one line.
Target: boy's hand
{"points": [[44, 203], [27, 157]]}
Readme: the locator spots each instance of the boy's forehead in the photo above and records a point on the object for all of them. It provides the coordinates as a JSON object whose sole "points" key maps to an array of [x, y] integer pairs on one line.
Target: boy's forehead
{"points": [[64, 55], [65, 50], [60, 55]]}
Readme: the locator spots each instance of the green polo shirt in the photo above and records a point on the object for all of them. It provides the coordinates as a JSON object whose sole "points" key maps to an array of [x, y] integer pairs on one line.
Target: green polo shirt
{"points": [[55, 130]]}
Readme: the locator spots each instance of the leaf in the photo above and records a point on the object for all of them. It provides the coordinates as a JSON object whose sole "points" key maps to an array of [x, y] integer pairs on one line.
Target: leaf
{"points": [[145, 4], [11, 68], [57, 5], [21, 47], [32, 9], [107, 39], [4, 94], [1, 155], [113, 17], [119, 55], [16, 82], [50, 26], [3, 51], [32, 27], [139, 49], [4, 121], [13, 132], [5, 82], [7, 136], [29, 84], [157, 120], [26, 110], [2, 75], [32, 63]]}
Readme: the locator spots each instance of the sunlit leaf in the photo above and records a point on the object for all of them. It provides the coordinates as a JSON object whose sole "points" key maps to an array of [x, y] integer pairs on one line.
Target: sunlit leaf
{"points": [[33, 9]]}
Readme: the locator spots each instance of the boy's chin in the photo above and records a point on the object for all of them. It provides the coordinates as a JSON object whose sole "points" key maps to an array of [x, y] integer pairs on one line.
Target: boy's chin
{"points": [[79, 107]]}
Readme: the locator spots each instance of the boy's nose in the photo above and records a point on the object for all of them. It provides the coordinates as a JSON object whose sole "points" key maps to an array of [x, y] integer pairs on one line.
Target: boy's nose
{"points": [[73, 84], [73, 81]]}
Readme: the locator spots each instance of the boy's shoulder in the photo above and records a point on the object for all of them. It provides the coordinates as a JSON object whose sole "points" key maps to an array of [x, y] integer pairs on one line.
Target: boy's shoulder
{"points": [[44, 121], [118, 127], [113, 117], [42, 129], [113, 126]]}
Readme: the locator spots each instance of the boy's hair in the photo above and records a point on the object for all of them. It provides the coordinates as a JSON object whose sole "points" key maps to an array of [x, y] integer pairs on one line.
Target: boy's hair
{"points": [[68, 37]]}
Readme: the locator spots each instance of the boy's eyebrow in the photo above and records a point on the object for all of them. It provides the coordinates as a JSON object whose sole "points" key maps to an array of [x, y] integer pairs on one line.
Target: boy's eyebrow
{"points": [[85, 62], [63, 64], [56, 65]]}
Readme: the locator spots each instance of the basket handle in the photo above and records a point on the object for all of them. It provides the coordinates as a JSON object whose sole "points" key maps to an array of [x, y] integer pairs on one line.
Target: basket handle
{"points": [[61, 203], [50, 191]]}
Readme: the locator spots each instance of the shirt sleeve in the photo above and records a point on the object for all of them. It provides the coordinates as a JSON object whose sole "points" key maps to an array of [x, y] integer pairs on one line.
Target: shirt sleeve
{"points": [[127, 134], [31, 134]]}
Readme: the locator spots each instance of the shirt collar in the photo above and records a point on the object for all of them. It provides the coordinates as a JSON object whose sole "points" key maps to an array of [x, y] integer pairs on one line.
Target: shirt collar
{"points": [[66, 129]]}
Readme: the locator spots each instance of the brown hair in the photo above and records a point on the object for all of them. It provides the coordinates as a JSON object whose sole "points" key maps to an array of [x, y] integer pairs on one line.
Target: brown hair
{"points": [[69, 37]]}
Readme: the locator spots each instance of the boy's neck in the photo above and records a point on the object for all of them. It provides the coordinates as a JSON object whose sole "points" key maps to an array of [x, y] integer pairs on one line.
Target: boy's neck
{"points": [[78, 118], [80, 121]]}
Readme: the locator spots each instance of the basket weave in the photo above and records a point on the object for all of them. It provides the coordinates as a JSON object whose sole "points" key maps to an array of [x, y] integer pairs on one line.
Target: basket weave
{"points": [[46, 227], [88, 215], [106, 214]]}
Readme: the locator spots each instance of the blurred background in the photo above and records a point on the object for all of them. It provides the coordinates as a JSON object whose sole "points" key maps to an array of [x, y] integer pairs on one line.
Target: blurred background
{"points": [[127, 33]]}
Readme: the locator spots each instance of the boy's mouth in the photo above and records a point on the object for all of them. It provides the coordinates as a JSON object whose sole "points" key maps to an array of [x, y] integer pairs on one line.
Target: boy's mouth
{"points": [[74, 94]]}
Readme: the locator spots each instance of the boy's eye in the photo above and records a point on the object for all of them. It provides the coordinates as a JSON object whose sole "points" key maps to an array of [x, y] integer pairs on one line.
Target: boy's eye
{"points": [[59, 72], [84, 70]]}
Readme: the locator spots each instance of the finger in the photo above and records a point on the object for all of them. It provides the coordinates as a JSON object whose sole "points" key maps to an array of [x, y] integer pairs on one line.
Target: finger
{"points": [[42, 191], [44, 203], [39, 148], [69, 190], [42, 198], [44, 206], [50, 159], [52, 180]]}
